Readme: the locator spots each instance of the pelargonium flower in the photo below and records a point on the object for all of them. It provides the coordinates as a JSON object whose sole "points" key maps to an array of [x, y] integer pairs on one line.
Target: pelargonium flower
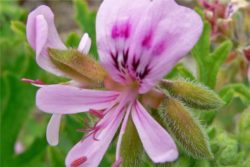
{"points": [[138, 42]]}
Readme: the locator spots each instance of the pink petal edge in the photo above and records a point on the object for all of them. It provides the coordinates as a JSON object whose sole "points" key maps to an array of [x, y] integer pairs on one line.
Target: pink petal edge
{"points": [[158, 144]]}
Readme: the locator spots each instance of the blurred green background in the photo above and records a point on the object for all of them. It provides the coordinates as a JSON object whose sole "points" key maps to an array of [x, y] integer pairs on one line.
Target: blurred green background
{"points": [[23, 127]]}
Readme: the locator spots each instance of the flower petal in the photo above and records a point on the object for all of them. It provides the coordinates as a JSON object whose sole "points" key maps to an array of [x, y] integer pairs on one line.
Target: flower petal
{"points": [[93, 150], [65, 99], [177, 31], [156, 141], [42, 34], [52, 133], [109, 13], [85, 44], [114, 30], [119, 141], [144, 38]]}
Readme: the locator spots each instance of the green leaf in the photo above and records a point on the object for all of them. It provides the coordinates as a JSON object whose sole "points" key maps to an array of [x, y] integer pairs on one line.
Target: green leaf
{"points": [[243, 129], [203, 163], [180, 71], [73, 40], [193, 94], [33, 154], [164, 165], [184, 161], [202, 49], [231, 91], [56, 158], [14, 114], [19, 28], [5, 94], [131, 147], [209, 63], [186, 130], [86, 20], [71, 131], [228, 150]]}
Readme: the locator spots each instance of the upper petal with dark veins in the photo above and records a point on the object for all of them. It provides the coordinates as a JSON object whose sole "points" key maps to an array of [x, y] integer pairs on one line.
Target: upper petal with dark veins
{"points": [[142, 40]]}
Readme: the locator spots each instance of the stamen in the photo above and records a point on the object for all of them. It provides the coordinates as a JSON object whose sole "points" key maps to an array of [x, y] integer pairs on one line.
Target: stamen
{"points": [[78, 161], [97, 113], [38, 82], [91, 130]]}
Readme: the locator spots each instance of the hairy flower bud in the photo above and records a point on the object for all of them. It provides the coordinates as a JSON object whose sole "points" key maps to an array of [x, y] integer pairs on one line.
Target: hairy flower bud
{"points": [[78, 63], [131, 147], [187, 130], [193, 94]]}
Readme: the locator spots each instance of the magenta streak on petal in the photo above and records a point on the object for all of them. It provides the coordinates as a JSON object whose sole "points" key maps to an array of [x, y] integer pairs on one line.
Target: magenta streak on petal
{"points": [[159, 48], [115, 32], [121, 30], [147, 40], [93, 130], [92, 149], [78, 161], [125, 58]]}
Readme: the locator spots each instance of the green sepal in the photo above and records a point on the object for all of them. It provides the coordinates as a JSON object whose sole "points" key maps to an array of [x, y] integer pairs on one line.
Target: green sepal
{"points": [[193, 94], [185, 129], [131, 147], [78, 66]]}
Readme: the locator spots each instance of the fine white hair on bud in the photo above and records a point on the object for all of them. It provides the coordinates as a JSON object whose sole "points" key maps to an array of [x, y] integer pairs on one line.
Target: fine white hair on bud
{"points": [[185, 128], [193, 94]]}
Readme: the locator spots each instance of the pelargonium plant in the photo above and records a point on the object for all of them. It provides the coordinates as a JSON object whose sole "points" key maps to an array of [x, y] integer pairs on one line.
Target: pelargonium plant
{"points": [[139, 42], [220, 13]]}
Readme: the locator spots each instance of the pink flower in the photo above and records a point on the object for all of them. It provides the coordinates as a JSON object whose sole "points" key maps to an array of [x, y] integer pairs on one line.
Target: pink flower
{"points": [[139, 42]]}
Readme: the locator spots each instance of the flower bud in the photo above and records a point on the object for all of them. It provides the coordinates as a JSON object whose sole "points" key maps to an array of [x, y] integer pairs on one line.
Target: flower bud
{"points": [[186, 130], [193, 94], [76, 64], [131, 147]]}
